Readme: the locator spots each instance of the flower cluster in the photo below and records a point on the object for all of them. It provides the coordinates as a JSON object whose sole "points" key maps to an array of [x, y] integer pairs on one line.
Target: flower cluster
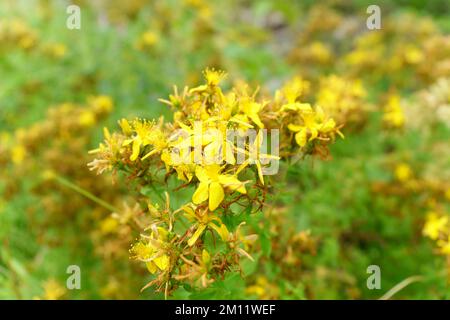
{"points": [[430, 106], [61, 121], [419, 193], [372, 55], [204, 237], [393, 116], [343, 99], [47, 160], [437, 228], [17, 34], [55, 146]]}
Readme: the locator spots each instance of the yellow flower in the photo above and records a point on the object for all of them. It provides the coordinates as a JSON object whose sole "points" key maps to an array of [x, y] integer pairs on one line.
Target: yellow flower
{"points": [[212, 183], [342, 98], [444, 245], [158, 140], [403, 172], [204, 219], [142, 131], [109, 225], [56, 50], [214, 77], [413, 55], [59, 50], [27, 42], [313, 124], [111, 289], [53, 290], [292, 90], [447, 194], [219, 149], [148, 39], [125, 126], [206, 257], [101, 103], [259, 288], [18, 153], [434, 225], [251, 109], [87, 118], [151, 251], [5, 137], [393, 113], [320, 52], [256, 157], [263, 289], [194, 139]]}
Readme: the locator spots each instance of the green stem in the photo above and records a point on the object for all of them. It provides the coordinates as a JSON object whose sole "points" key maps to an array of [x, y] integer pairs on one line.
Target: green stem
{"points": [[85, 193], [400, 286]]}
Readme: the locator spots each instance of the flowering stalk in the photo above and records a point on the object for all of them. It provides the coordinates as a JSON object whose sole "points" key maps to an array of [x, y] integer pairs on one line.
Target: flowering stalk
{"points": [[204, 238]]}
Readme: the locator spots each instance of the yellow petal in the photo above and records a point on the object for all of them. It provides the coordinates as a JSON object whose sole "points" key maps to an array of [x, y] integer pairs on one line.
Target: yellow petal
{"points": [[294, 127], [222, 230], [314, 134], [127, 142], [196, 235], [228, 153], [260, 174], [242, 123], [329, 125], [162, 262], [150, 154], [300, 137], [201, 174], [201, 194], [242, 166], [230, 181], [294, 106], [206, 258], [136, 149], [216, 195], [106, 133], [189, 212], [199, 89], [125, 126], [256, 120], [151, 267]]}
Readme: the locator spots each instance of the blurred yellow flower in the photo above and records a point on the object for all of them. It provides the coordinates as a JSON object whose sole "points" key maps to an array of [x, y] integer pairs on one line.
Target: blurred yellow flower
{"points": [[313, 123], [87, 118], [393, 112], [434, 225], [101, 104], [403, 172], [18, 153], [147, 40], [53, 290], [444, 245], [413, 55], [109, 225], [55, 50]]}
